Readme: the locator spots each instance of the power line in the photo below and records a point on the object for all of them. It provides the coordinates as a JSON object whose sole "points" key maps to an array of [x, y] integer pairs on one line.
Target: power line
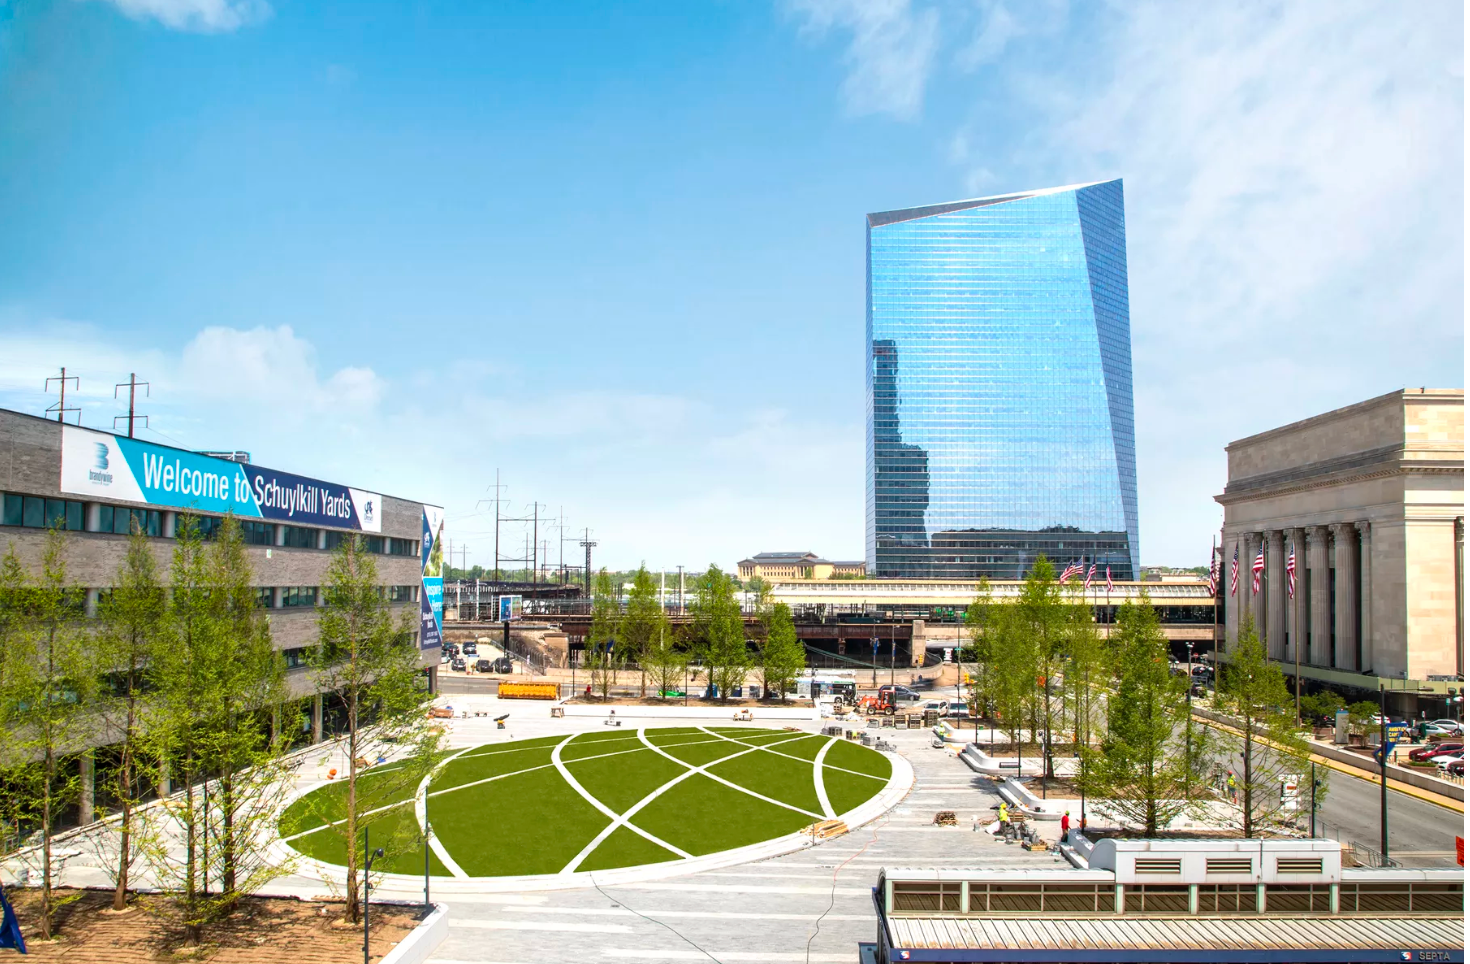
{"points": [[60, 408], [132, 383]]}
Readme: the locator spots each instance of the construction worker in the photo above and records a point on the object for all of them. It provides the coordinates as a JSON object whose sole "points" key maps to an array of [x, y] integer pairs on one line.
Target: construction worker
{"points": [[1066, 823], [1005, 819], [1230, 785]]}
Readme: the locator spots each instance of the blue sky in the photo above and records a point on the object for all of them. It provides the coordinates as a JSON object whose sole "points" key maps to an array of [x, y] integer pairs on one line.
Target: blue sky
{"points": [[616, 251]]}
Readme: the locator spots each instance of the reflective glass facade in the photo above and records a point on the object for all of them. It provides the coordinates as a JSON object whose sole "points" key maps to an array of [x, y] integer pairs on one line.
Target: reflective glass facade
{"points": [[1000, 386]]}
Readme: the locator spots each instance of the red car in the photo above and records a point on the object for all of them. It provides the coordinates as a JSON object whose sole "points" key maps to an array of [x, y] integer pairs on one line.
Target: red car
{"points": [[1435, 749], [1456, 769]]}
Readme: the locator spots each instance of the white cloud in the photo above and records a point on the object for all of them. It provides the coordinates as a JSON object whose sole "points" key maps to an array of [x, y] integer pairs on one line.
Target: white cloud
{"points": [[197, 16], [660, 478], [997, 27], [890, 55]]}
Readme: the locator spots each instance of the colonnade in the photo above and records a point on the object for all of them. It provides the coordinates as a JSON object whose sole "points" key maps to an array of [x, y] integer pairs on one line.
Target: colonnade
{"points": [[1328, 622]]}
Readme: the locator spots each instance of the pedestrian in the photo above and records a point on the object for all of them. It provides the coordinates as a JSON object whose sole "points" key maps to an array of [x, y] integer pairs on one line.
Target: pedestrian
{"points": [[1082, 827], [1230, 785], [1005, 819], [589, 691], [1066, 823]]}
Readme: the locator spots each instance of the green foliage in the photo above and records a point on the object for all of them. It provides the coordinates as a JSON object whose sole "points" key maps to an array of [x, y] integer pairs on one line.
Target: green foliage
{"points": [[1146, 768], [1361, 717], [719, 631], [215, 681], [781, 657], [131, 625], [372, 663], [49, 680], [1323, 706], [1271, 749], [602, 637], [664, 660], [641, 624]]}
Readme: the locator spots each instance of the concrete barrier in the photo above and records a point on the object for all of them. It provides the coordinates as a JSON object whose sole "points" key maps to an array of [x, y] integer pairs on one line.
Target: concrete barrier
{"points": [[423, 940], [1413, 778]]}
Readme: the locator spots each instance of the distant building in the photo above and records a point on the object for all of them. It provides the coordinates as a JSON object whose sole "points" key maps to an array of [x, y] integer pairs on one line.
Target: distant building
{"points": [[1369, 500], [798, 565], [1000, 387], [1166, 574]]}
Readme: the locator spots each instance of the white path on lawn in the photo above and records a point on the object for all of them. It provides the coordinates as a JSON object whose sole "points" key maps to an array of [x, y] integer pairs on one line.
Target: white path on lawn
{"points": [[616, 818], [821, 785], [627, 815], [421, 812], [799, 759], [704, 769]]}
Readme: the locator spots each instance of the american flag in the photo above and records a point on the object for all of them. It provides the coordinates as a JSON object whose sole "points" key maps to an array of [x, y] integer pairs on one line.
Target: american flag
{"points": [[1110, 578], [1235, 571], [1291, 573], [1091, 574], [1257, 567], [1214, 577], [1075, 569]]}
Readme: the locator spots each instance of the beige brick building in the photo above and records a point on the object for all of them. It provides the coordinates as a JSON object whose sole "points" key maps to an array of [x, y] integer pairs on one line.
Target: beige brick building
{"points": [[1369, 500], [797, 565], [289, 560]]}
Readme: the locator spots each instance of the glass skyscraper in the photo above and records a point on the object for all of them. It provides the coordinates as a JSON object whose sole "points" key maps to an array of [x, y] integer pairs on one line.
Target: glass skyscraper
{"points": [[1000, 387]]}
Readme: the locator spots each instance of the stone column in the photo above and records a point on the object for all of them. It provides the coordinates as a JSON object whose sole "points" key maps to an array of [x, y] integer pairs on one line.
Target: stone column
{"points": [[1345, 538], [89, 606], [1275, 596], [316, 718], [1258, 596], [86, 795], [1298, 603], [1320, 645], [1365, 597]]}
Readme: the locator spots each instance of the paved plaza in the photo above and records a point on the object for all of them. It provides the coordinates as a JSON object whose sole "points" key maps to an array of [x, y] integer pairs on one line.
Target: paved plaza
{"points": [[813, 905]]}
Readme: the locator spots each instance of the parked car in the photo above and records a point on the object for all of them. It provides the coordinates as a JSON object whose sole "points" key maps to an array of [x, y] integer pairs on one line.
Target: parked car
{"points": [[502, 665], [452, 649], [1435, 749], [1441, 728], [482, 666], [1456, 769], [470, 649], [902, 695], [1447, 758], [1456, 724], [457, 664]]}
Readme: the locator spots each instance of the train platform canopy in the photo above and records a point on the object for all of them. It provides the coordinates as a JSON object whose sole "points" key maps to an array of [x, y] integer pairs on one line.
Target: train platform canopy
{"points": [[1182, 939]]}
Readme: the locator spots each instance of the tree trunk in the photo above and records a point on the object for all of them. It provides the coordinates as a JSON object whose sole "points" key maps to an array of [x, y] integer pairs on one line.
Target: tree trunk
{"points": [[227, 843], [191, 866], [1245, 789], [48, 773], [353, 907], [125, 840]]}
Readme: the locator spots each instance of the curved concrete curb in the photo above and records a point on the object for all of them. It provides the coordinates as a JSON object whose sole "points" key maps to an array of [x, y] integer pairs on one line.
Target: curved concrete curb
{"points": [[423, 940]]}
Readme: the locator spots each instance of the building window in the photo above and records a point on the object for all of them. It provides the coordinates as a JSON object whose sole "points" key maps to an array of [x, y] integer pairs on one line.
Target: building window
{"points": [[400, 593], [207, 526], [335, 538], [926, 896], [374, 544], [295, 658], [1298, 898], [1227, 898], [1150, 899], [298, 537], [38, 513], [298, 596], [257, 533], [267, 597], [401, 547]]}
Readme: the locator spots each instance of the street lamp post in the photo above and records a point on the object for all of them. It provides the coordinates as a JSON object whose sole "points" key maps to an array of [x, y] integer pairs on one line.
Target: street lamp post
{"points": [[367, 869], [1188, 717], [1383, 769], [427, 830]]}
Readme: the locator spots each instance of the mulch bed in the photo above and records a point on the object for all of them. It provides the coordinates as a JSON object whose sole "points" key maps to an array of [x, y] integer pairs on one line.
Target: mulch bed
{"points": [[264, 930]]}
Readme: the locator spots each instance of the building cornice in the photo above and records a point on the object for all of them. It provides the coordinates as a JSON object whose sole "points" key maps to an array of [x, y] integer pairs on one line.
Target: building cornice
{"points": [[1361, 467]]}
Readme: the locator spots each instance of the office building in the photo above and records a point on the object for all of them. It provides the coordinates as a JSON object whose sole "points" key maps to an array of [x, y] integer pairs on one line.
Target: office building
{"points": [[98, 486], [1367, 505], [1000, 387]]}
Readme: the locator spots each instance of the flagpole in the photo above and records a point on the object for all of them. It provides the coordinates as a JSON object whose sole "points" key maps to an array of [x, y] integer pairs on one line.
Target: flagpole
{"points": [[1296, 645]]}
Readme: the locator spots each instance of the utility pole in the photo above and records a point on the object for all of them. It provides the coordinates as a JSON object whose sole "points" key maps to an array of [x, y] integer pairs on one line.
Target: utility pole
{"points": [[1383, 771], [498, 487], [132, 383], [681, 590], [587, 543], [60, 407]]}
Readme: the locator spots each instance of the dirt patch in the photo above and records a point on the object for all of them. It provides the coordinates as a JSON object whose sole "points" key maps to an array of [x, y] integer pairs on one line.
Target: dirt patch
{"points": [[264, 930]]}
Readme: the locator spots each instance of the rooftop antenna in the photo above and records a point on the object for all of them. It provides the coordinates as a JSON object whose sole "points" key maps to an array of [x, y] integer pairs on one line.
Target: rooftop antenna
{"points": [[132, 383], [60, 407]]}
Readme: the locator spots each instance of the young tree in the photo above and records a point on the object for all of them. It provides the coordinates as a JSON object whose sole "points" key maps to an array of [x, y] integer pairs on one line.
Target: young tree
{"points": [[372, 663], [720, 631], [1045, 615], [50, 684], [602, 636], [782, 657], [639, 627], [244, 755], [131, 620], [666, 661], [1272, 750], [1143, 768]]}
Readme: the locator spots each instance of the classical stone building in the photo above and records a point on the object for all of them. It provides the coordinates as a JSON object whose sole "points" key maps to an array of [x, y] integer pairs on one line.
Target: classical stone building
{"points": [[1370, 500], [797, 565]]}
